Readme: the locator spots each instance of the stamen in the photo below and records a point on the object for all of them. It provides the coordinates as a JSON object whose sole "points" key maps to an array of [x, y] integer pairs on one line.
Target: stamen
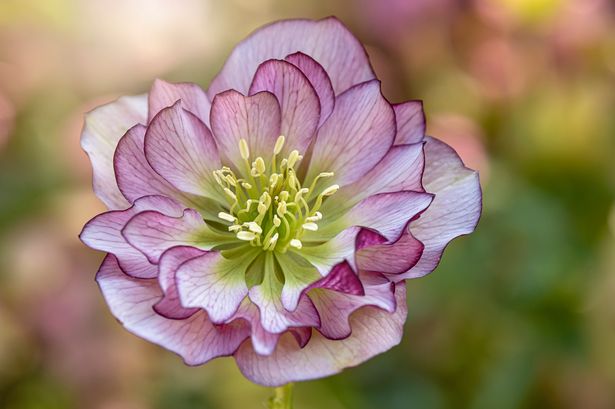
{"points": [[296, 244], [293, 158], [244, 150], [259, 165], [254, 227], [279, 144], [227, 217], [330, 190], [310, 226], [246, 236], [230, 194]]}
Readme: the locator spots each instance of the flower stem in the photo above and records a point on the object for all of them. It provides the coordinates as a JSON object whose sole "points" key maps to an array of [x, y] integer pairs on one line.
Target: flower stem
{"points": [[282, 397]]}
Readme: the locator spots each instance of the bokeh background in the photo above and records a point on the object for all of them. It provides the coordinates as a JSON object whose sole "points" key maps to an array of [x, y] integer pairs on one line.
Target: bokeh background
{"points": [[519, 315]]}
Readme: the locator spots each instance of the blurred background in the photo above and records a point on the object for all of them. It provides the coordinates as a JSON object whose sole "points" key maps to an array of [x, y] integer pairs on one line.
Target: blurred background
{"points": [[519, 315]]}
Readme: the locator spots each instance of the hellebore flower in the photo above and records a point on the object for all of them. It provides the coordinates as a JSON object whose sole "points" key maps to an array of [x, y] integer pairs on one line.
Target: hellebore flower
{"points": [[275, 216]]}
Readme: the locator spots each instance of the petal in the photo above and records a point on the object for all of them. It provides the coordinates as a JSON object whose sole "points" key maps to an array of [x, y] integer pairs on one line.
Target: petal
{"points": [[357, 135], [263, 342], [335, 307], [180, 148], [299, 274], [165, 94], [299, 104], [214, 283], [410, 119], [196, 339], [104, 126], [170, 306], [394, 258], [103, 233], [152, 233], [373, 332], [342, 279], [386, 213], [326, 255], [274, 317], [319, 79], [455, 210], [326, 40], [400, 169], [255, 118]]}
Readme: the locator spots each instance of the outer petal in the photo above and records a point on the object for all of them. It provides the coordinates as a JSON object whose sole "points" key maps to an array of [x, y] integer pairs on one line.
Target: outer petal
{"points": [[169, 306], [104, 126], [180, 148], [455, 210], [327, 41], [214, 283], [410, 119], [152, 233], [357, 135], [319, 79], [274, 317], [394, 258], [103, 233], [164, 94], [335, 307], [255, 118], [195, 338], [263, 341], [386, 213], [400, 169], [299, 104], [373, 332]]}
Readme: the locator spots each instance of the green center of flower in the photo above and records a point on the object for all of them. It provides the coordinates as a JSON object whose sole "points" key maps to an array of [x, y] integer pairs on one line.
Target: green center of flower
{"points": [[268, 207]]}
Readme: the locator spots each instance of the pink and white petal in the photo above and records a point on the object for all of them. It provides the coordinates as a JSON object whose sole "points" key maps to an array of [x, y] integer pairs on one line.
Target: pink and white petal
{"points": [[255, 118], [393, 258], [302, 335], [368, 237], [400, 169], [455, 210], [299, 104], [165, 94], [342, 279], [263, 342], [357, 135], [135, 177], [104, 126], [373, 331], [103, 233], [214, 283], [335, 307], [299, 274], [410, 119], [326, 255], [319, 79], [386, 213], [180, 148], [328, 41], [274, 317], [170, 306], [195, 339], [153, 233]]}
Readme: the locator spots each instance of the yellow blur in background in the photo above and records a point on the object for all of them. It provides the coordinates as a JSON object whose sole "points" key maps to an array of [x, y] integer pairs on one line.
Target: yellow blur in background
{"points": [[520, 314]]}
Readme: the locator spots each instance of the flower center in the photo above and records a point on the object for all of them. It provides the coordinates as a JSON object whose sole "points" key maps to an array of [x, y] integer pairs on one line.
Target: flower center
{"points": [[268, 207]]}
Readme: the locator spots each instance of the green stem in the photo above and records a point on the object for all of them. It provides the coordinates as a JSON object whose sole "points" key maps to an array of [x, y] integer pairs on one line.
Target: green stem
{"points": [[282, 397]]}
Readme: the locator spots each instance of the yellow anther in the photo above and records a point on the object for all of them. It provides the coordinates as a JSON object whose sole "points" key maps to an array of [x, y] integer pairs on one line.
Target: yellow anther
{"points": [[330, 190], [246, 185], [325, 174], [300, 193], [276, 221], [246, 236], [216, 177], [231, 180], [262, 207], [259, 165], [244, 150], [310, 226], [296, 243], [234, 228], [270, 245], [293, 158], [317, 216], [230, 194], [253, 227], [273, 179], [284, 195], [227, 217], [281, 209], [279, 144]]}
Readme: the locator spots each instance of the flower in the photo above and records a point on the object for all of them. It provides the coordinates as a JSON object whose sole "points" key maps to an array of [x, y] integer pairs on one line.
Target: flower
{"points": [[275, 216]]}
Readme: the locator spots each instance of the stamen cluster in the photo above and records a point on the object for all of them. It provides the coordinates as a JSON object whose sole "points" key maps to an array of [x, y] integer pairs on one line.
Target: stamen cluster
{"points": [[268, 206]]}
